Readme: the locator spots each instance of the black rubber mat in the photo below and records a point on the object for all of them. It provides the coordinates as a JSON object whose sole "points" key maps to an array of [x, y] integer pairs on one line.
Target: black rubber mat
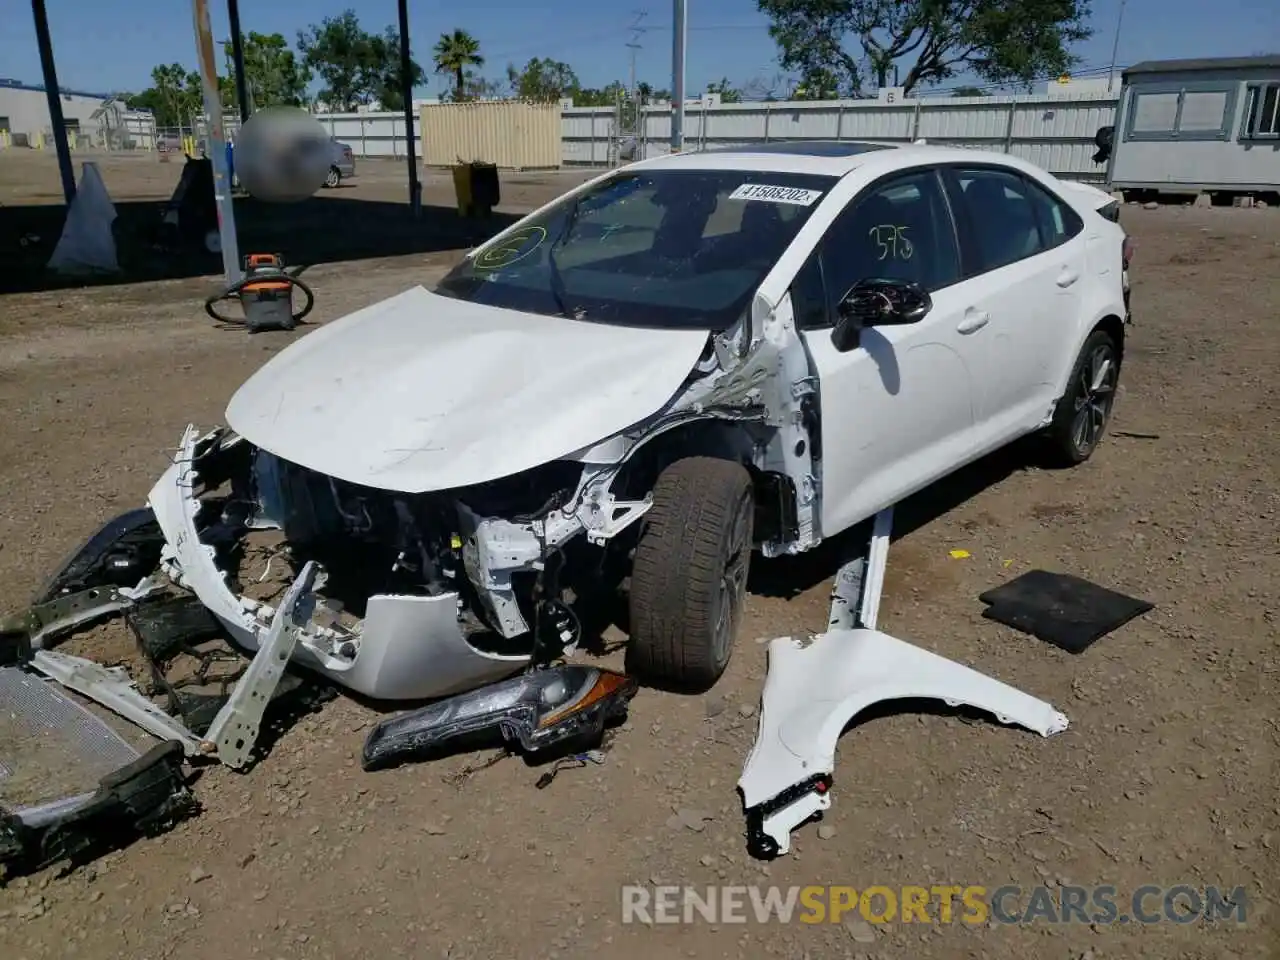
{"points": [[1060, 609]]}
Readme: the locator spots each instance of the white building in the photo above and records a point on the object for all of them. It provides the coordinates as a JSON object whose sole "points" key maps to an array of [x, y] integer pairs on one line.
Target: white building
{"points": [[1073, 86], [91, 119]]}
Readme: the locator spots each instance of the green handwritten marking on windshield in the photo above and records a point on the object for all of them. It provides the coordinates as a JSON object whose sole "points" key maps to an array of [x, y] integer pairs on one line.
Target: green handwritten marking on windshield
{"points": [[510, 249], [892, 241]]}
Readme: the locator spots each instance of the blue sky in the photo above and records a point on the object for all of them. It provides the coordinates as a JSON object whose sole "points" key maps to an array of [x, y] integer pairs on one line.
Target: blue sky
{"points": [[106, 45]]}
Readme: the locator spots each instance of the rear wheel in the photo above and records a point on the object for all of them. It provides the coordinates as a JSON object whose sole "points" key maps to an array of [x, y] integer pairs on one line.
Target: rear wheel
{"points": [[689, 575], [1085, 409], [333, 178]]}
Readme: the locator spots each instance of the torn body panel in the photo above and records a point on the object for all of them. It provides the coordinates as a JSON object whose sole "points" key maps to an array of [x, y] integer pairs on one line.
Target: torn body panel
{"points": [[815, 686]]}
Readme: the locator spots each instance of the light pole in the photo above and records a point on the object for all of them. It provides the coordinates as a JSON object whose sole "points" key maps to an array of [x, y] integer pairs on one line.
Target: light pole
{"points": [[217, 142], [681, 29], [1115, 49]]}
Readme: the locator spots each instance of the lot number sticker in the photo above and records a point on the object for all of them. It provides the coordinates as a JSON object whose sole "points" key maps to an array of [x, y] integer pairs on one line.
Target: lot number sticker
{"points": [[772, 194]]}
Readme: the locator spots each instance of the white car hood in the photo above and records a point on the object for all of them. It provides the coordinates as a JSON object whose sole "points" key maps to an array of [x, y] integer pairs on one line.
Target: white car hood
{"points": [[423, 392]]}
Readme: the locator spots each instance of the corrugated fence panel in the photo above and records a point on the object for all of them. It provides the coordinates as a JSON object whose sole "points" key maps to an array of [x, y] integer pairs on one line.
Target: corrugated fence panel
{"points": [[1054, 132], [962, 120], [586, 134], [867, 122], [1061, 119], [370, 134], [509, 133], [734, 124]]}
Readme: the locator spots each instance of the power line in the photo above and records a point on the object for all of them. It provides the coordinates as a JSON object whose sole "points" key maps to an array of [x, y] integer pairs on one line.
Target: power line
{"points": [[1081, 73], [634, 45], [559, 44]]}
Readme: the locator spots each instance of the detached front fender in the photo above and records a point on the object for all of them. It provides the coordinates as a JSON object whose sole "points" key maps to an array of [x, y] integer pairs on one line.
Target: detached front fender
{"points": [[816, 685]]}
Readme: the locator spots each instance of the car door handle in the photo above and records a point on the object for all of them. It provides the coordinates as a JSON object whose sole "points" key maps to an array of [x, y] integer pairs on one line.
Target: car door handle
{"points": [[1067, 277], [974, 320]]}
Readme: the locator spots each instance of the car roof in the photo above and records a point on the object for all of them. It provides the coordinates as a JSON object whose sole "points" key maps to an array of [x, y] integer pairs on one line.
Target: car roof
{"points": [[833, 158]]}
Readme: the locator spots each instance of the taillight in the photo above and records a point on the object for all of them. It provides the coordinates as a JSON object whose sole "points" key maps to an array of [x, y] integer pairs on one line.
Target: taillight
{"points": [[1126, 252]]}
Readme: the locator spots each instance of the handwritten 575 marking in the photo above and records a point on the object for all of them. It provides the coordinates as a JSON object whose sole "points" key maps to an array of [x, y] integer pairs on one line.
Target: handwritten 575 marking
{"points": [[892, 241]]}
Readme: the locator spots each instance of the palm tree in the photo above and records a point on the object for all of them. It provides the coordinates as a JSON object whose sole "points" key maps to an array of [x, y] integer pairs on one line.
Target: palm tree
{"points": [[453, 54]]}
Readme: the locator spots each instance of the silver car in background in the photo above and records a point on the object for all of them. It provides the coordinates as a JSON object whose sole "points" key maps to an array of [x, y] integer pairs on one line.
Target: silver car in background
{"points": [[342, 163]]}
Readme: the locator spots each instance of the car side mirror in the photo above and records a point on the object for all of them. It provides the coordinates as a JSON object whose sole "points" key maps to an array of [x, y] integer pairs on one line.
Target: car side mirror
{"points": [[878, 303]]}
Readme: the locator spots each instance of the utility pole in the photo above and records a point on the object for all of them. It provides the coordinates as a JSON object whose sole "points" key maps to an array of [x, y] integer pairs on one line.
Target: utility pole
{"points": [[237, 60], [681, 31], [634, 46], [53, 96], [1115, 49], [217, 143]]}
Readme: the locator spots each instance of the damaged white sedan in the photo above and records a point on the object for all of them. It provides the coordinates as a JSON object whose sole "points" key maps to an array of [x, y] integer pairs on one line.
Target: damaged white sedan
{"points": [[673, 365]]}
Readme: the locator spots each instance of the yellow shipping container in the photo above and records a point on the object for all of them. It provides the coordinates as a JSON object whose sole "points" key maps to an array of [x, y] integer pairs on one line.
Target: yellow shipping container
{"points": [[512, 134]]}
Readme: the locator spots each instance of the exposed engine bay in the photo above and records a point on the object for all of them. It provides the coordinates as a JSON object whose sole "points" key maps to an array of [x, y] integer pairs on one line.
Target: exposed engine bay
{"points": [[427, 594], [504, 553]]}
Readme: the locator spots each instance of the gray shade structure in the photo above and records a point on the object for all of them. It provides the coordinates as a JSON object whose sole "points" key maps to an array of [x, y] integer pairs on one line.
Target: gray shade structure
{"points": [[213, 105]]}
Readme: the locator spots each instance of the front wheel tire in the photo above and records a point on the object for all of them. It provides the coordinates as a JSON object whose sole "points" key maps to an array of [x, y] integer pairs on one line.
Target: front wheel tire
{"points": [[333, 178], [1084, 411], [689, 574]]}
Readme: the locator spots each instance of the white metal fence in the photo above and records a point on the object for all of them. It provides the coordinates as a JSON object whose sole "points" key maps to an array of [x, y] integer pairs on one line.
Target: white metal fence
{"points": [[1053, 132]]}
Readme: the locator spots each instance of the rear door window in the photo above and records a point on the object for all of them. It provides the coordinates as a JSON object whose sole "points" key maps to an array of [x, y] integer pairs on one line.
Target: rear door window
{"points": [[1005, 214]]}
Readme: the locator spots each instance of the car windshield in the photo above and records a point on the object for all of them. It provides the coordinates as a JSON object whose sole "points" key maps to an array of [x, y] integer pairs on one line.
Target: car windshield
{"points": [[660, 248]]}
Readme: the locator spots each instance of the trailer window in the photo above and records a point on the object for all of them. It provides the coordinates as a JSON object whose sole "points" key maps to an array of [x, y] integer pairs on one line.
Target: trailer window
{"points": [[1188, 111], [1262, 112]]}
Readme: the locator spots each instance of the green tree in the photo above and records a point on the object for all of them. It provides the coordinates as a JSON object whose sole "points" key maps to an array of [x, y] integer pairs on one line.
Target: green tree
{"points": [[453, 54], [356, 67], [174, 96], [1002, 41], [476, 87], [817, 84], [543, 81], [607, 96], [968, 91], [273, 75], [383, 74], [337, 50], [727, 92]]}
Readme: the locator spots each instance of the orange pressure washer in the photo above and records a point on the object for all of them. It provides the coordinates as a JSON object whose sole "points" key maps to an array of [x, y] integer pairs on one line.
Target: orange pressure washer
{"points": [[265, 294]]}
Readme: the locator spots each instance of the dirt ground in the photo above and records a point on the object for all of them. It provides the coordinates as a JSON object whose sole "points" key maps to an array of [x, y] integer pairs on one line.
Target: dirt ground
{"points": [[1167, 775]]}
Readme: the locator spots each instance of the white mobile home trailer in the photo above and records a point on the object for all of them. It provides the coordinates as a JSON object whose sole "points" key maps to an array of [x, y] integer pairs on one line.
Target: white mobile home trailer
{"points": [[1199, 126]]}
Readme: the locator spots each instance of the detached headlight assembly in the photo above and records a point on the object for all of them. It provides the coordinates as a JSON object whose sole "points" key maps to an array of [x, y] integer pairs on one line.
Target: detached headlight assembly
{"points": [[535, 710]]}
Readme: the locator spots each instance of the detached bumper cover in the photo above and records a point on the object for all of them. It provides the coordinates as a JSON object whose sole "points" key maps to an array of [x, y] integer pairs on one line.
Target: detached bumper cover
{"points": [[408, 647], [815, 686]]}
